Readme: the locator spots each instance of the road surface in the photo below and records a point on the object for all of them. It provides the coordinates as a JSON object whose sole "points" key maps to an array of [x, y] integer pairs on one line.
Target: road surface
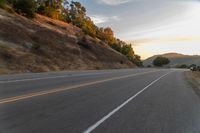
{"points": [[106, 101]]}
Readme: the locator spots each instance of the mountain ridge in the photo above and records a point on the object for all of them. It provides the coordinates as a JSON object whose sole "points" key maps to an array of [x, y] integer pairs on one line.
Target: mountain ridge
{"points": [[175, 59]]}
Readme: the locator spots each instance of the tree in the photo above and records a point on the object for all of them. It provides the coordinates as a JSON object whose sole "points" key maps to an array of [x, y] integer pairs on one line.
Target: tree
{"points": [[88, 27], [40, 6], [25, 7], [117, 47], [77, 14], [65, 11], [50, 8], [109, 35], [160, 61], [137, 60], [128, 51]]}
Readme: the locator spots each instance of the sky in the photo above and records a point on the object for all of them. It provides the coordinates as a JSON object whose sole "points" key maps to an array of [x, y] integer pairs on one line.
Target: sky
{"points": [[151, 26]]}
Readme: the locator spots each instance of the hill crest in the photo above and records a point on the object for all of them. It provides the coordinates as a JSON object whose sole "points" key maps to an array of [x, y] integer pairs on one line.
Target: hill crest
{"points": [[176, 59]]}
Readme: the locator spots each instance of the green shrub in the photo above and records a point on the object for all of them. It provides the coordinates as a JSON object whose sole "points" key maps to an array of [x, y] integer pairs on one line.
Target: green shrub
{"points": [[25, 7], [6, 6], [181, 66], [160, 61], [116, 47], [2, 3], [83, 42]]}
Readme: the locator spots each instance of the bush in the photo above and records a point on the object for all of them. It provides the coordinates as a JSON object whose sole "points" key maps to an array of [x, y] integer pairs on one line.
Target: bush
{"points": [[25, 7], [5, 5], [83, 42], [41, 9], [2, 3], [160, 61], [116, 47], [137, 60], [182, 66]]}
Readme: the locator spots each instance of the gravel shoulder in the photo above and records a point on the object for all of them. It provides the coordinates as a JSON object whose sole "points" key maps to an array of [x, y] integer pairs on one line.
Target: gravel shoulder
{"points": [[193, 79]]}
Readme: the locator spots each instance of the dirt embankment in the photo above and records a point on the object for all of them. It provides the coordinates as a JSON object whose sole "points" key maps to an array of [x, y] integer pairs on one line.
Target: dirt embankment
{"points": [[43, 44], [194, 80]]}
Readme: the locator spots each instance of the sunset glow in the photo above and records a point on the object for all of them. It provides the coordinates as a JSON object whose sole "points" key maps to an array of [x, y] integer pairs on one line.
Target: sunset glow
{"points": [[164, 26]]}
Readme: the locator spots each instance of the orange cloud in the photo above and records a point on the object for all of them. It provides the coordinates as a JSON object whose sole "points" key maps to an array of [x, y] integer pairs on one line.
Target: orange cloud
{"points": [[164, 40]]}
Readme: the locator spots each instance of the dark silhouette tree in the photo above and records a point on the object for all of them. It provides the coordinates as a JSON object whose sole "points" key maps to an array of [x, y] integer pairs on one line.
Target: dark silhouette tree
{"points": [[24, 7], [160, 61]]}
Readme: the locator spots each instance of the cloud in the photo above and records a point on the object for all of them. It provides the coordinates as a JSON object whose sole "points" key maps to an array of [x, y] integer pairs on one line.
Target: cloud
{"points": [[99, 19], [112, 2], [119, 2], [160, 41]]}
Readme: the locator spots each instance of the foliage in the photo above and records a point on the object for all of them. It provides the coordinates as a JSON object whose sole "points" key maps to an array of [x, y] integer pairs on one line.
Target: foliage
{"points": [[127, 50], [76, 15], [50, 8], [137, 60], [108, 35], [160, 61], [83, 42], [25, 7], [2, 3], [182, 66], [116, 47]]}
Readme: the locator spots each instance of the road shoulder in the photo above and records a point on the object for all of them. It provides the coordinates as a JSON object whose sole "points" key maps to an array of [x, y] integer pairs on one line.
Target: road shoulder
{"points": [[193, 78]]}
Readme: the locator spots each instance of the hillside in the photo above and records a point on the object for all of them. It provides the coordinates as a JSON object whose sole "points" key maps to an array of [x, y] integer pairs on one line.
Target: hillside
{"points": [[176, 59], [43, 44]]}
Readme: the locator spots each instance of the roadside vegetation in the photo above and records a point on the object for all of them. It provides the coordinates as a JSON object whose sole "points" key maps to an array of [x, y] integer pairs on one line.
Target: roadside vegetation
{"points": [[74, 13], [160, 61], [4, 5], [177, 60]]}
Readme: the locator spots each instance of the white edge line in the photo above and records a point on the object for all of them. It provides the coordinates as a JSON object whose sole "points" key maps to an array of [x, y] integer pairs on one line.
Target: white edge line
{"points": [[94, 126]]}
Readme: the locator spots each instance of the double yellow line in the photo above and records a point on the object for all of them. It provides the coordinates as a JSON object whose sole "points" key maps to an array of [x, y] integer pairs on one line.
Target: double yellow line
{"points": [[41, 93]]}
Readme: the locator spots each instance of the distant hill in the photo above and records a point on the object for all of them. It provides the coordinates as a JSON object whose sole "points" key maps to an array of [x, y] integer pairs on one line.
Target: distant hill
{"points": [[176, 59], [43, 44]]}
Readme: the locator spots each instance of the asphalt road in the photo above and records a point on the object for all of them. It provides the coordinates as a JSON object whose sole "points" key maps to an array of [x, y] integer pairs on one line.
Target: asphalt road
{"points": [[108, 101]]}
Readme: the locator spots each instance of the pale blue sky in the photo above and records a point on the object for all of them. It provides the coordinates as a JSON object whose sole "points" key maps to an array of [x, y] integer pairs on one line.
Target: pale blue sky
{"points": [[153, 26]]}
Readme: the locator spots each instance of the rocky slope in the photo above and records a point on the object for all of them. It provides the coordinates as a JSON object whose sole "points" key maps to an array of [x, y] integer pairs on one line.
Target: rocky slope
{"points": [[43, 44]]}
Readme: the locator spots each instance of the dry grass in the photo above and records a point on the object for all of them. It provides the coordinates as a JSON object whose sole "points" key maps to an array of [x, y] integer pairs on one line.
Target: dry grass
{"points": [[194, 80], [43, 44]]}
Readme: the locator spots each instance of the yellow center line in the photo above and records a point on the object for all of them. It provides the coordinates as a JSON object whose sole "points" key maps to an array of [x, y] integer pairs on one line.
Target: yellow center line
{"points": [[41, 93]]}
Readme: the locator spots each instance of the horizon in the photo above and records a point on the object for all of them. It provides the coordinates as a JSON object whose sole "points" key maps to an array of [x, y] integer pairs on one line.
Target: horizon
{"points": [[152, 27], [172, 53]]}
